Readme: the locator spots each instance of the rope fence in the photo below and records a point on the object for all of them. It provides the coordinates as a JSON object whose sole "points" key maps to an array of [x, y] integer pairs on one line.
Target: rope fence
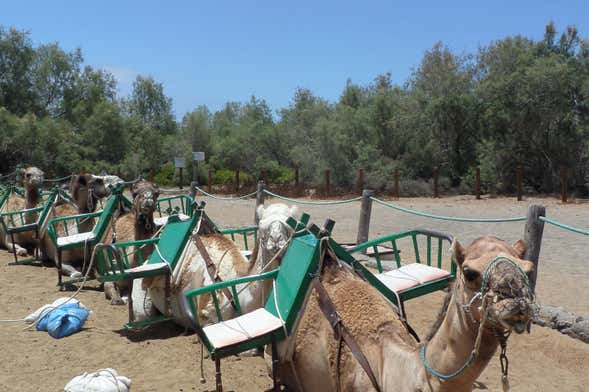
{"points": [[447, 218], [564, 226], [225, 198], [61, 179], [317, 203]]}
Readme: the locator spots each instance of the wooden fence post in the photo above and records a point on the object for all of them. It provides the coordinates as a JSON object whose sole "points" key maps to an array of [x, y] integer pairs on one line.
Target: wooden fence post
{"points": [[477, 184], [396, 185], [520, 180], [360, 181], [210, 182], [236, 180], [365, 212], [327, 184], [564, 180], [296, 180], [259, 201], [533, 238], [181, 180], [436, 188]]}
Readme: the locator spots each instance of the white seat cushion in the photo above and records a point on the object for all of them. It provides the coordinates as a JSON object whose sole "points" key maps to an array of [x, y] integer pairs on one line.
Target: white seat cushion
{"points": [[411, 275], [145, 268], [162, 220], [75, 238], [242, 328]]}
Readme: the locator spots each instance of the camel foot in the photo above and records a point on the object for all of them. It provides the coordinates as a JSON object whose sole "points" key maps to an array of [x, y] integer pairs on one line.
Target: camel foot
{"points": [[117, 301]]}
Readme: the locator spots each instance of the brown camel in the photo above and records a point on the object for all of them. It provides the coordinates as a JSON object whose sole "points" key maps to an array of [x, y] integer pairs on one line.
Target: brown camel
{"points": [[393, 355], [32, 182], [86, 190], [138, 225]]}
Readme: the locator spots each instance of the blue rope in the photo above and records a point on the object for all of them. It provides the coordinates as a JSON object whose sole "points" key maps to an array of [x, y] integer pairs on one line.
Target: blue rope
{"points": [[563, 226], [445, 376], [313, 203]]}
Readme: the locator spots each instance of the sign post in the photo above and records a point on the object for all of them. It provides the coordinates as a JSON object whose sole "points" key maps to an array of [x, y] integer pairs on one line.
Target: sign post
{"points": [[179, 163], [197, 156]]}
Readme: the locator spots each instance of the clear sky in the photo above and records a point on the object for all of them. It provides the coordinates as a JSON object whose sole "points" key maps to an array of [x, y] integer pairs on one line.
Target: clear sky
{"points": [[214, 51]]}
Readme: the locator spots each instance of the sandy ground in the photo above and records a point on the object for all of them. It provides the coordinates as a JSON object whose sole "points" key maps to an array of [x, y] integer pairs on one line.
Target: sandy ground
{"points": [[162, 358]]}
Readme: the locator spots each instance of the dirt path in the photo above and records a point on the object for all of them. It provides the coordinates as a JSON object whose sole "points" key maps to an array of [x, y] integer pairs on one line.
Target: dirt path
{"points": [[163, 359]]}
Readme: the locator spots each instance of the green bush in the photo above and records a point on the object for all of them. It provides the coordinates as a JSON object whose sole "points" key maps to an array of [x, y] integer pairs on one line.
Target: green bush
{"points": [[226, 177], [165, 177]]}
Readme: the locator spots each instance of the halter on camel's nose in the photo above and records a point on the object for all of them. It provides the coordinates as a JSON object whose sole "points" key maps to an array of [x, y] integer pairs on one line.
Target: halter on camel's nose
{"points": [[512, 298]]}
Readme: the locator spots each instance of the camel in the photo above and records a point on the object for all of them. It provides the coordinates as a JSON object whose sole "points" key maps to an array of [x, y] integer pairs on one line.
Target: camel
{"points": [[468, 322], [138, 225], [191, 272], [86, 190], [32, 181]]}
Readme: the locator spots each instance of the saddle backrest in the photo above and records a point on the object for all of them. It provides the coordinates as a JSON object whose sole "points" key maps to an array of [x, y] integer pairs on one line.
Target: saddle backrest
{"points": [[297, 268]]}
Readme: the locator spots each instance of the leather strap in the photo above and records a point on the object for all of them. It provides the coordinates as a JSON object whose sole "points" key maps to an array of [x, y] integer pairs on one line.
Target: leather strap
{"points": [[212, 268], [341, 334]]}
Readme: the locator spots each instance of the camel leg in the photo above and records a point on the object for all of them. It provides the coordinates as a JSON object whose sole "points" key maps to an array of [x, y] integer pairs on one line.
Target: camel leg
{"points": [[275, 366], [16, 248], [130, 300], [111, 292], [218, 375]]}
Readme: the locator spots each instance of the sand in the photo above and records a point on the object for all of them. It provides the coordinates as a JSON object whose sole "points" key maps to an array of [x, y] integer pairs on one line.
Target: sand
{"points": [[163, 358]]}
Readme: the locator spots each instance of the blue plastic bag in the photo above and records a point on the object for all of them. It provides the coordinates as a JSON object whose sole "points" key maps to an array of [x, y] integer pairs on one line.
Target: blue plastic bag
{"points": [[64, 320]]}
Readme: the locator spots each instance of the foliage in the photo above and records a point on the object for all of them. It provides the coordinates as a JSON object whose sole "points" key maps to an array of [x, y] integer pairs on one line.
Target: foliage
{"points": [[516, 101]]}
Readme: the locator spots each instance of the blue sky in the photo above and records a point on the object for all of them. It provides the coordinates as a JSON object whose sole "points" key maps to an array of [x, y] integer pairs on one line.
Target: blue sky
{"points": [[214, 51]]}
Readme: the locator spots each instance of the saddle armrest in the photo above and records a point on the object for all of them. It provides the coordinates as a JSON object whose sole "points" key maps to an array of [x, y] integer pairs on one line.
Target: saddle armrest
{"points": [[230, 283]]}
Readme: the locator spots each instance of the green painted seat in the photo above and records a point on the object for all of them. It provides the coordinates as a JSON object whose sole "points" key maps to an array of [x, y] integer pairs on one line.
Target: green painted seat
{"points": [[76, 238], [114, 264], [32, 219], [265, 325], [414, 276]]}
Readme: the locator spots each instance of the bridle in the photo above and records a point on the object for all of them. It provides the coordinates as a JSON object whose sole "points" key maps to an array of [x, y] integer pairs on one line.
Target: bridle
{"points": [[502, 334]]}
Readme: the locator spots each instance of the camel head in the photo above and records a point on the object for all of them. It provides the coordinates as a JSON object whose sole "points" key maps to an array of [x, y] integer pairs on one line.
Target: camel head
{"points": [[145, 196], [32, 178], [496, 272], [273, 230], [87, 189]]}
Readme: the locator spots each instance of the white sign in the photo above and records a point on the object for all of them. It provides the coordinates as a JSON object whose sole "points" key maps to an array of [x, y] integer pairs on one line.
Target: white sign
{"points": [[198, 156], [179, 163]]}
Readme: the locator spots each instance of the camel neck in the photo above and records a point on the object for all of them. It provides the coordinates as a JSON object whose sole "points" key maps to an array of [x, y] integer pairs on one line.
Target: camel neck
{"points": [[453, 343], [31, 198]]}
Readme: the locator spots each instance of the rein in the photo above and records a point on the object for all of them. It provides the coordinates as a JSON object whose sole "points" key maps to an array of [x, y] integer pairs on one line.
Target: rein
{"points": [[484, 296]]}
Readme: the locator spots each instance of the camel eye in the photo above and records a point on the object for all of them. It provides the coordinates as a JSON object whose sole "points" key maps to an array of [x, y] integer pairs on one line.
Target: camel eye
{"points": [[470, 275], [28, 175]]}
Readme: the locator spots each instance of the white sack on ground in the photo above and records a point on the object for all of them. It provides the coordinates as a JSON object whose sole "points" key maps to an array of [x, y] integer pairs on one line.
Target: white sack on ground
{"points": [[103, 380]]}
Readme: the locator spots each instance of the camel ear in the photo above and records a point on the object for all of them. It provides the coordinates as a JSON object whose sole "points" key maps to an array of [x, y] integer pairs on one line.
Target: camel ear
{"points": [[156, 189], [458, 252], [520, 248], [527, 266]]}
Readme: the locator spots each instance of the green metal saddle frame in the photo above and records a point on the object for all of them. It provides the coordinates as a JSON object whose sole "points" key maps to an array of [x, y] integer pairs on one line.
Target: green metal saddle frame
{"points": [[114, 264], [14, 222], [291, 284], [85, 240], [423, 288]]}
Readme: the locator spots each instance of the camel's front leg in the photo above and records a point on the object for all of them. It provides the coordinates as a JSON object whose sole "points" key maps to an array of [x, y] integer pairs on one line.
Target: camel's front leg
{"points": [[111, 292], [13, 247]]}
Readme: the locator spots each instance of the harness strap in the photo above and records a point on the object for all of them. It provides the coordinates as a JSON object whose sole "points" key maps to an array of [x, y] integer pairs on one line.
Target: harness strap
{"points": [[212, 268], [341, 334]]}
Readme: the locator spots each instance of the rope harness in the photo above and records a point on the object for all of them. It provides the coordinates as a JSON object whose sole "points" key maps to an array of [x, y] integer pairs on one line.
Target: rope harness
{"points": [[484, 295]]}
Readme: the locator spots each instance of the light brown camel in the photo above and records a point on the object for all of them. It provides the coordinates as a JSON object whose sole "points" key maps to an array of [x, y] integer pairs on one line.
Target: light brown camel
{"points": [[392, 353], [138, 225], [32, 182], [86, 190]]}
